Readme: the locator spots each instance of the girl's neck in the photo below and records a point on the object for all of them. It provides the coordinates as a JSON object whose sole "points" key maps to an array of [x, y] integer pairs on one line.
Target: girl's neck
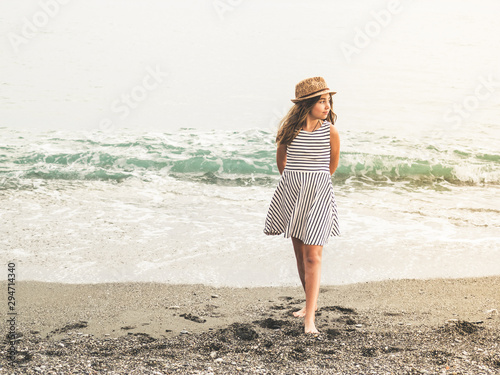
{"points": [[312, 124]]}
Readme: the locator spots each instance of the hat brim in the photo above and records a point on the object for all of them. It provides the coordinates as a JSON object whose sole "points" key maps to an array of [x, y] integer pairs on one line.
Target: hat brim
{"points": [[326, 91]]}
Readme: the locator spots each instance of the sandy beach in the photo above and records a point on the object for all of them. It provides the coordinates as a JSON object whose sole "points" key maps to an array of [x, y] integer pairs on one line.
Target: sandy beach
{"points": [[438, 326]]}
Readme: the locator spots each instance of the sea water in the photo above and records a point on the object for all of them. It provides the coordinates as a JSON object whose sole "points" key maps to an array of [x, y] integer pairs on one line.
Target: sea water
{"points": [[137, 140], [189, 207]]}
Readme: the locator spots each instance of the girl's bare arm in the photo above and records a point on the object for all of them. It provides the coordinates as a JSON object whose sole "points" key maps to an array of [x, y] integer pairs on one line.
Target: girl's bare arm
{"points": [[334, 149], [281, 157]]}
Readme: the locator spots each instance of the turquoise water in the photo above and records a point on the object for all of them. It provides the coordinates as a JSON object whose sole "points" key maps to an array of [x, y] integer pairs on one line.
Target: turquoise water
{"points": [[229, 158], [189, 207]]}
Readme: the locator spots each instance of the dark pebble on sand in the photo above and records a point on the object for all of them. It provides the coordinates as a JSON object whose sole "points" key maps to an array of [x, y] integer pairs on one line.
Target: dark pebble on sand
{"points": [[70, 327], [344, 310], [128, 327], [193, 318], [332, 332], [271, 323], [462, 327], [241, 331]]}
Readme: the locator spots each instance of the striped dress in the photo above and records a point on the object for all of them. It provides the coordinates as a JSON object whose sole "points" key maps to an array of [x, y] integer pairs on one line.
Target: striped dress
{"points": [[303, 205]]}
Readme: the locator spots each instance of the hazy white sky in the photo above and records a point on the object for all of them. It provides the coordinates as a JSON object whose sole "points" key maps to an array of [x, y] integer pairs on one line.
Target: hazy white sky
{"points": [[162, 64]]}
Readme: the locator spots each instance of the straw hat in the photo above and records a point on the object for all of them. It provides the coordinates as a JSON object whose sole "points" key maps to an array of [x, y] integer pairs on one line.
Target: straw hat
{"points": [[311, 87]]}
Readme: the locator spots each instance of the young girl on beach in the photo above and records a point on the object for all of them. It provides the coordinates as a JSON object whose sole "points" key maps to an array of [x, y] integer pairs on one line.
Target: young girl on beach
{"points": [[303, 206]]}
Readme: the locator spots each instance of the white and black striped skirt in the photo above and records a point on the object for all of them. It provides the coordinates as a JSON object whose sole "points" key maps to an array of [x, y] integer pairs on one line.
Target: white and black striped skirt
{"points": [[303, 206]]}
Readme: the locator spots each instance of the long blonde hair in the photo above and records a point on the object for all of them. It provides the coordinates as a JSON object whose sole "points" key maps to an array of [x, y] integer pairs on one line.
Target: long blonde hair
{"points": [[296, 119]]}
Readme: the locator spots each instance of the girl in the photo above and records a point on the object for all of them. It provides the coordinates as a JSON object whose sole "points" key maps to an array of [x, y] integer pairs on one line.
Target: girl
{"points": [[303, 206]]}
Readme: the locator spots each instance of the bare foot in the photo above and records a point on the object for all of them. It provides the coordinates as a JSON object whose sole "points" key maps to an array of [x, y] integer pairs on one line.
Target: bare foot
{"points": [[310, 327], [302, 312]]}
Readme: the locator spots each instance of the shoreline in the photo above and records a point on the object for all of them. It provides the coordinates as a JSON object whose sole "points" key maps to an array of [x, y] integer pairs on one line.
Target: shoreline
{"points": [[213, 327]]}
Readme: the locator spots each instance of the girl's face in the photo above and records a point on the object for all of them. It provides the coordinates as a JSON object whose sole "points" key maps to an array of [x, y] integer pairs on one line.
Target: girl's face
{"points": [[321, 108]]}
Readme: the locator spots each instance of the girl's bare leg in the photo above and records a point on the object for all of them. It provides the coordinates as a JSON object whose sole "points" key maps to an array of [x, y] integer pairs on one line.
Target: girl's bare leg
{"points": [[299, 248], [312, 264]]}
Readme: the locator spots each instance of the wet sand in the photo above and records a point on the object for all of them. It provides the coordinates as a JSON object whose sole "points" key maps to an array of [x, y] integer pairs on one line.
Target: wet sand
{"points": [[401, 326]]}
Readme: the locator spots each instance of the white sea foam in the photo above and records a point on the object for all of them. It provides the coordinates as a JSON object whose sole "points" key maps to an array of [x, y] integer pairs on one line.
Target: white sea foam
{"points": [[196, 233]]}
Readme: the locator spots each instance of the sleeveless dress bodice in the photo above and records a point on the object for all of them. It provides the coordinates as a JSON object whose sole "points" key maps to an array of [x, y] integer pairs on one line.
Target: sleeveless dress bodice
{"points": [[310, 151]]}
